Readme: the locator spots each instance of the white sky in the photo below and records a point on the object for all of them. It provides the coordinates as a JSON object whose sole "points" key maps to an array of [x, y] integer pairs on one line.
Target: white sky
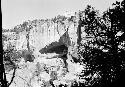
{"points": [[14, 12]]}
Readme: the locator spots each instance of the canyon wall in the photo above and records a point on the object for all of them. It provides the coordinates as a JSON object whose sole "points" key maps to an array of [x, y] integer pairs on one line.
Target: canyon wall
{"points": [[44, 32]]}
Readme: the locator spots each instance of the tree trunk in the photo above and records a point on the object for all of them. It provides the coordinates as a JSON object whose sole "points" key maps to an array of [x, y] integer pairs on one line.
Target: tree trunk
{"points": [[12, 76], [27, 36], [79, 38], [79, 32]]}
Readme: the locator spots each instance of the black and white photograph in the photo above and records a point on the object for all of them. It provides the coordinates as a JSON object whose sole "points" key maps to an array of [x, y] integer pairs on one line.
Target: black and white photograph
{"points": [[63, 43]]}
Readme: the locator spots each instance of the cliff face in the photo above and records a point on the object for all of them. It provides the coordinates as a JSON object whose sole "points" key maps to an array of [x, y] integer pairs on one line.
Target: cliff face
{"points": [[44, 32]]}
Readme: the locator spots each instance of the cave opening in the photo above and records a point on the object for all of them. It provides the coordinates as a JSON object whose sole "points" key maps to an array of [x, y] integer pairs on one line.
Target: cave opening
{"points": [[55, 47], [58, 49]]}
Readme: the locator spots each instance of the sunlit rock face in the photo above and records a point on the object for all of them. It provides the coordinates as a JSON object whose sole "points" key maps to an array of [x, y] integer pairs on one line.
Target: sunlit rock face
{"points": [[21, 43], [46, 32]]}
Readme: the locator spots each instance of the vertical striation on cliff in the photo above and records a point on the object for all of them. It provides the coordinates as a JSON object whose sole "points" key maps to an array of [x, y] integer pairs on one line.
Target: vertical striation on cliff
{"points": [[44, 32]]}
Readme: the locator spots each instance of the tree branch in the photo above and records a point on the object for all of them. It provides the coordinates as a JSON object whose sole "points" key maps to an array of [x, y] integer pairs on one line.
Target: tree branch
{"points": [[12, 76]]}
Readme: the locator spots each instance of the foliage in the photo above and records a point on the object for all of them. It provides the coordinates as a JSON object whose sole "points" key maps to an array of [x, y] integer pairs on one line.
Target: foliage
{"points": [[4, 38], [11, 57], [102, 52]]}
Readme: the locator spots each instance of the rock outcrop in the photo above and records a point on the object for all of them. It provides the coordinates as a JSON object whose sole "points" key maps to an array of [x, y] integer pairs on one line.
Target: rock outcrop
{"points": [[45, 32]]}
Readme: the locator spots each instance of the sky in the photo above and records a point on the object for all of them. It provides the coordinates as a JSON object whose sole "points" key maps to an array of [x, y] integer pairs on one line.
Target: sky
{"points": [[15, 12]]}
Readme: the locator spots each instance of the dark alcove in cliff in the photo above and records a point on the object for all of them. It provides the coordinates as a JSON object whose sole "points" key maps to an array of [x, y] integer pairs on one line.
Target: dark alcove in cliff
{"points": [[60, 47], [55, 47]]}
